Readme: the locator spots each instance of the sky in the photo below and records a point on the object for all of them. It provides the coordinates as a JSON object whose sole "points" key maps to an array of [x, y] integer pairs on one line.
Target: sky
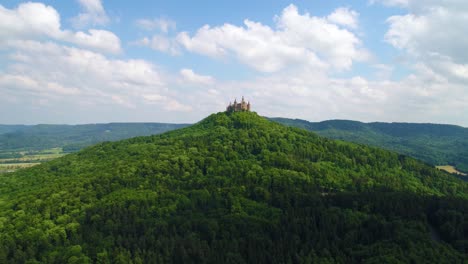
{"points": [[100, 61]]}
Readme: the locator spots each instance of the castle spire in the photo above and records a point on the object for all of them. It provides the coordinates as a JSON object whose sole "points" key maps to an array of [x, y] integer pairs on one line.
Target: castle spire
{"points": [[237, 107]]}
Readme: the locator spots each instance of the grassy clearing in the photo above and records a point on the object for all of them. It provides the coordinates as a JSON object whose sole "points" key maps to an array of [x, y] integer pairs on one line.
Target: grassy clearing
{"points": [[450, 169], [26, 159], [11, 167]]}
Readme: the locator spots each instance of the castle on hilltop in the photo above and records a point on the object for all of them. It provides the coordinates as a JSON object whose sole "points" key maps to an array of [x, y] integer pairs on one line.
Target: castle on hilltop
{"points": [[237, 107]]}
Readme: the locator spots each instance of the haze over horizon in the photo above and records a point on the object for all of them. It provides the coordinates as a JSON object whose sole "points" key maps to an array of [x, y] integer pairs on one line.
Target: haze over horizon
{"points": [[92, 61]]}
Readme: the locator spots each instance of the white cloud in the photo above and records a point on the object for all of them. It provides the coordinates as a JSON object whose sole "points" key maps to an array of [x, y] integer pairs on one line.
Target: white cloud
{"points": [[93, 14], [445, 65], [97, 39], [168, 103], [434, 34], [37, 21], [424, 96], [29, 19], [439, 30], [48, 75], [162, 24], [52, 69], [298, 39], [297, 57], [345, 17], [192, 77], [160, 43]]}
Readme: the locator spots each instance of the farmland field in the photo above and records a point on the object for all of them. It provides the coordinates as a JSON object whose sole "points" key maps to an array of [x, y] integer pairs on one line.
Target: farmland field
{"points": [[450, 169], [11, 161]]}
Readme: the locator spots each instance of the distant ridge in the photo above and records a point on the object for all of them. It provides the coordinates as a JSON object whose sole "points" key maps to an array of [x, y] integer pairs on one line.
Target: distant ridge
{"points": [[75, 137], [436, 144]]}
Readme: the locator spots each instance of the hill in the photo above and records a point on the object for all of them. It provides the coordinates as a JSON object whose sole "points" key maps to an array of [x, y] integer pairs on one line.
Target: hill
{"points": [[432, 143], [11, 128], [233, 188], [74, 137]]}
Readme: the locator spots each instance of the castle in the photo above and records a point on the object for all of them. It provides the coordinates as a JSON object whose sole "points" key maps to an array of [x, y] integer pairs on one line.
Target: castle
{"points": [[237, 107]]}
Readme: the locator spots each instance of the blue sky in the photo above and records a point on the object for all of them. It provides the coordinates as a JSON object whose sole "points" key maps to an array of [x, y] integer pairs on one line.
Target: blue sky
{"points": [[92, 61]]}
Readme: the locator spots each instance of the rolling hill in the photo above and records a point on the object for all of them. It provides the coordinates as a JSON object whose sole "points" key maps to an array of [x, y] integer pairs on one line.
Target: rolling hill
{"points": [[233, 188], [74, 137], [432, 143], [11, 128]]}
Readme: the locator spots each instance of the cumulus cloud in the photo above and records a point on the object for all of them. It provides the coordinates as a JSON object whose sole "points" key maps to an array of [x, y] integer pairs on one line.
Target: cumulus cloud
{"points": [[440, 29], [345, 17], [433, 33], [192, 77], [420, 97], [162, 24], [160, 43], [36, 21], [50, 75], [49, 70], [169, 104], [80, 66], [96, 39], [93, 14], [298, 57], [28, 19], [297, 39]]}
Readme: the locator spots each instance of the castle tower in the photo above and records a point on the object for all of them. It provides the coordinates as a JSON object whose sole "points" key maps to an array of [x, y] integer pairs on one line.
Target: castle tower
{"points": [[243, 105], [236, 107]]}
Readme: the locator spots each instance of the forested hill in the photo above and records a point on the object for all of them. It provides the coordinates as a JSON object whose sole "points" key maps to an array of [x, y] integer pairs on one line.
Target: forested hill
{"points": [[11, 128], [432, 143], [74, 137], [233, 188]]}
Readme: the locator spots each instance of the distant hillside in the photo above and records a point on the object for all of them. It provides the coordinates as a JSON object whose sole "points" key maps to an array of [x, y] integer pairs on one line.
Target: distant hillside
{"points": [[432, 143], [75, 137], [233, 188], [11, 128]]}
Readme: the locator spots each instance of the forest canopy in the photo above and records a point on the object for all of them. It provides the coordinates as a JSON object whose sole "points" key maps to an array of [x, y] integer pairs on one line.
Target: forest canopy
{"points": [[233, 188]]}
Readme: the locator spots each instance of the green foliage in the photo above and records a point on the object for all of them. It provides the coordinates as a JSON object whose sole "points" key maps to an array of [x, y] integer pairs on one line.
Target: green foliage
{"points": [[233, 188], [11, 128], [432, 143], [74, 137]]}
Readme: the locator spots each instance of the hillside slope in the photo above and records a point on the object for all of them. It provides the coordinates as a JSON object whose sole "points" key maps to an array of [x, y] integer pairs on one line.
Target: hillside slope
{"points": [[432, 143], [11, 128], [74, 137], [233, 188]]}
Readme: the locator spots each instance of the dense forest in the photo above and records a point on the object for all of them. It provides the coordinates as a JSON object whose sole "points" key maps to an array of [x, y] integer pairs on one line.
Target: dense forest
{"points": [[12, 128], [233, 188], [432, 143], [74, 137]]}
